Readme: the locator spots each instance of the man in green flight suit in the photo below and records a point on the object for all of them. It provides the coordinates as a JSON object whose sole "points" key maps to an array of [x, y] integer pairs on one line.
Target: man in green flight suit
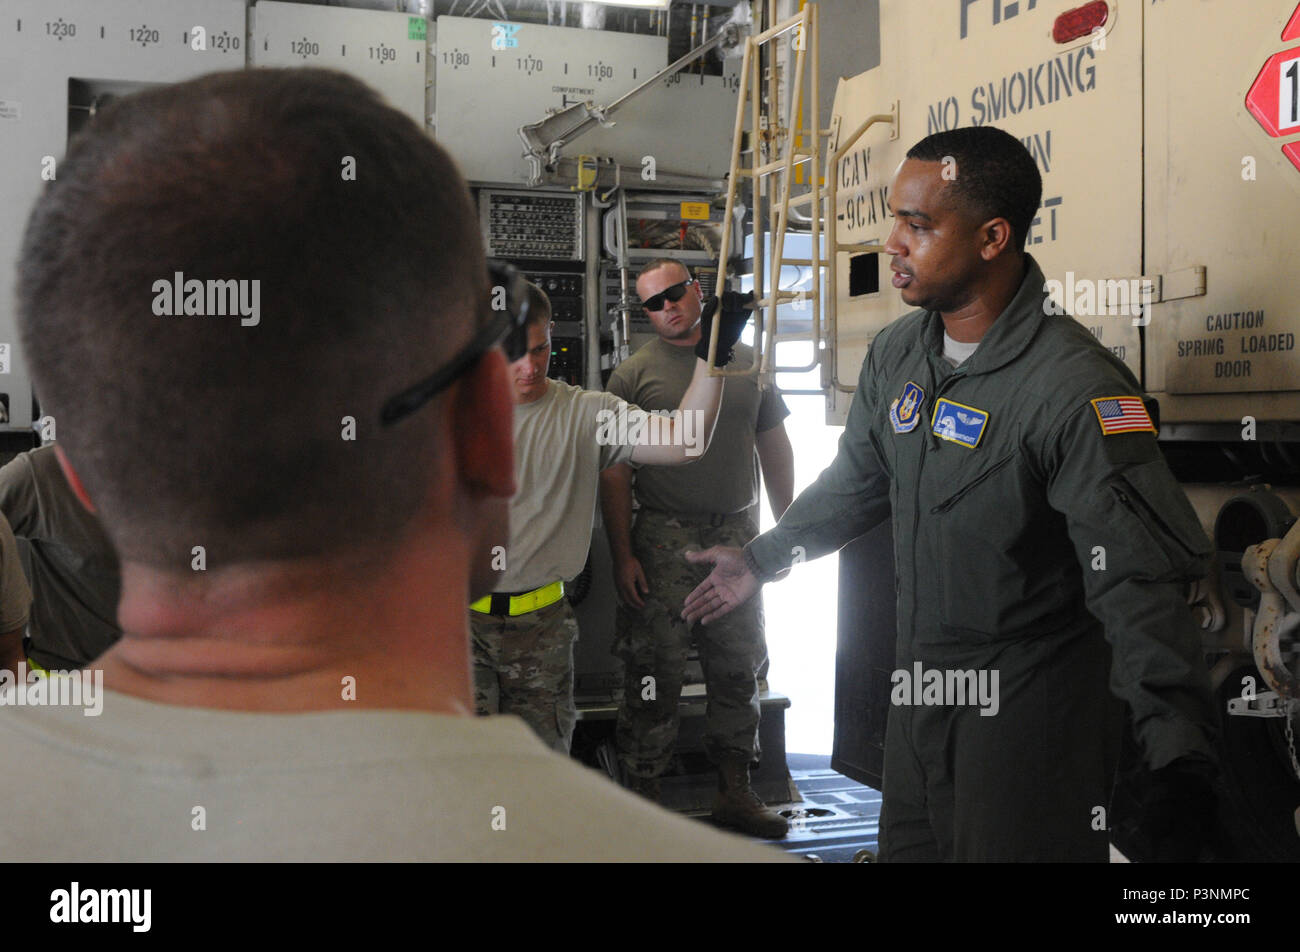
{"points": [[1033, 512]]}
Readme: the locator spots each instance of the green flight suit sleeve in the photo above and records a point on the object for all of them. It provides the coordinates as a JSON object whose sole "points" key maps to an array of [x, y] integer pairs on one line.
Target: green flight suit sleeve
{"points": [[850, 497], [1139, 542]]}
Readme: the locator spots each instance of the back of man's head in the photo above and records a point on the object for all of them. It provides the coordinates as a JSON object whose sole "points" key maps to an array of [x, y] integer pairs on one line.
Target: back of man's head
{"points": [[254, 434], [992, 174]]}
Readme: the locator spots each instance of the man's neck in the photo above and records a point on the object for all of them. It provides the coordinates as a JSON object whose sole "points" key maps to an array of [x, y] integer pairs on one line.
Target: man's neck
{"points": [[968, 324], [543, 391], [292, 639], [690, 340]]}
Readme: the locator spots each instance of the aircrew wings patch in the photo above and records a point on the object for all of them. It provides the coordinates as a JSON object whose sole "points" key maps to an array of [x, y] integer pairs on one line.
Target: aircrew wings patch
{"points": [[1122, 415]]}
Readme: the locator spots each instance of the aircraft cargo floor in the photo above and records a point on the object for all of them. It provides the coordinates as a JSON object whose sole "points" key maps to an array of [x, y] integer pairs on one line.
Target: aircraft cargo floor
{"points": [[837, 816]]}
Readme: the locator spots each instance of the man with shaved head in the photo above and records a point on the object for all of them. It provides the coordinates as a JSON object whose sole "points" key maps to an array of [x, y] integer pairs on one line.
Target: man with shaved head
{"points": [[705, 503], [302, 485]]}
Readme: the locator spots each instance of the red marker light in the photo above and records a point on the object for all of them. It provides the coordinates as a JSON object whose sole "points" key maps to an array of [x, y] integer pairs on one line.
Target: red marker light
{"points": [[1081, 21]]}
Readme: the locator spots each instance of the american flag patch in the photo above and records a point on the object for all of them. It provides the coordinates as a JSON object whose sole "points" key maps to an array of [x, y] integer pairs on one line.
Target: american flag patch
{"points": [[1122, 415]]}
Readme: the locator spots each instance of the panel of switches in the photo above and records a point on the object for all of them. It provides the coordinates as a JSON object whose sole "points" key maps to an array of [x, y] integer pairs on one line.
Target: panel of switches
{"points": [[531, 224]]}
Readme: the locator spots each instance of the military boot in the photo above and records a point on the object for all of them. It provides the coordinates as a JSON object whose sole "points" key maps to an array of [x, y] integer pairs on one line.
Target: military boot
{"points": [[739, 807]]}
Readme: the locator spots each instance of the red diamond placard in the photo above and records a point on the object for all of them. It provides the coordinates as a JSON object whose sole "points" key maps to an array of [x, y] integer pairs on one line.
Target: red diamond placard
{"points": [[1274, 96], [1292, 29], [1292, 151]]}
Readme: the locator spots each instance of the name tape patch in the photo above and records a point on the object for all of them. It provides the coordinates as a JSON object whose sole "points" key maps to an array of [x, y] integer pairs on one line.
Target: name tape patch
{"points": [[958, 423], [905, 412], [1122, 415]]}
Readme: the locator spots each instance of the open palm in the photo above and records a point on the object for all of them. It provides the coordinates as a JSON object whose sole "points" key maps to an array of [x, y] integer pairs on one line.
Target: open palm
{"points": [[729, 584]]}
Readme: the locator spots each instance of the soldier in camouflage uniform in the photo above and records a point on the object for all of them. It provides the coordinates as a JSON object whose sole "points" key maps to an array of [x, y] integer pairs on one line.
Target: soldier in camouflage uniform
{"points": [[524, 666], [702, 504], [653, 642], [523, 633]]}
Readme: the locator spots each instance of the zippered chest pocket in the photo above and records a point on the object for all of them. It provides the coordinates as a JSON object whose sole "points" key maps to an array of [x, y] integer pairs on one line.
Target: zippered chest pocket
{"points": [[984, 476], [995, 550]]}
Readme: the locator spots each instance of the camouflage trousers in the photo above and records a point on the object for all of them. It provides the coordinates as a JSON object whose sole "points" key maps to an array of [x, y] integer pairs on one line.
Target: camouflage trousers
{"points": [[653, 643], [524, 666]]}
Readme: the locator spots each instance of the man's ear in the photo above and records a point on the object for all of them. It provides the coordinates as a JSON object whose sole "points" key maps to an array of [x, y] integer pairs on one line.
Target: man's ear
{"points": [[483, 427], [995, 235], [73, 479]]}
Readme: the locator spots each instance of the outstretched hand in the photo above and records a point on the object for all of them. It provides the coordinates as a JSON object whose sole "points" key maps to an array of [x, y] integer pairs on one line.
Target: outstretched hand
{"points": [[729, 585]]}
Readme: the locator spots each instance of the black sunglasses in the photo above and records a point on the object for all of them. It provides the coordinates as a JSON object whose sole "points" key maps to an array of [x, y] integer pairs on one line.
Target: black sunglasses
{"points": [[508, 326], [655, 302]]}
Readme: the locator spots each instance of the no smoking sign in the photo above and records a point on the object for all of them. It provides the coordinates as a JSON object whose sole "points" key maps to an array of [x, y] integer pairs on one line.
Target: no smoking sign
{"points": [[1274, 97]]}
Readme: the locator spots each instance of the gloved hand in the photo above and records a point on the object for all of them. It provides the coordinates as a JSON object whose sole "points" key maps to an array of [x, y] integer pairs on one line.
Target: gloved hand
{"points": [[735, 315], [1182, 812]]}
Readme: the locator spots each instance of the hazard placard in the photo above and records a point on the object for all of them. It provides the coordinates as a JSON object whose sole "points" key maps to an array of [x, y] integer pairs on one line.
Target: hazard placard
{"points": [[1292, 29], [1292, 151], [1274, 96]]}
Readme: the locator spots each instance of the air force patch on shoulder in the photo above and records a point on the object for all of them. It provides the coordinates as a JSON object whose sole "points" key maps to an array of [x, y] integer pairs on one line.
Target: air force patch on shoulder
{"points": [[905, 412], [958, 423]]}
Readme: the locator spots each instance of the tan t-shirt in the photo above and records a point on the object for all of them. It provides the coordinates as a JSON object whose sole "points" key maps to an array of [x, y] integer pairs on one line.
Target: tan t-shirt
{"points": [[723, 480], [365, 786], [73, 570], [558, 459], [15, 595]]}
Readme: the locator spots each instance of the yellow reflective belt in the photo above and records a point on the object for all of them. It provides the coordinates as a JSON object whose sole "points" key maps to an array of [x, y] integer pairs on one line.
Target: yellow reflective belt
{"points": [[525, 603], [36, 667]]}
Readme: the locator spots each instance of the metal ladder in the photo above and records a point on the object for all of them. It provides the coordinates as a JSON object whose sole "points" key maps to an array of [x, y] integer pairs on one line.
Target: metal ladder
{"points": [[781, 141]]}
